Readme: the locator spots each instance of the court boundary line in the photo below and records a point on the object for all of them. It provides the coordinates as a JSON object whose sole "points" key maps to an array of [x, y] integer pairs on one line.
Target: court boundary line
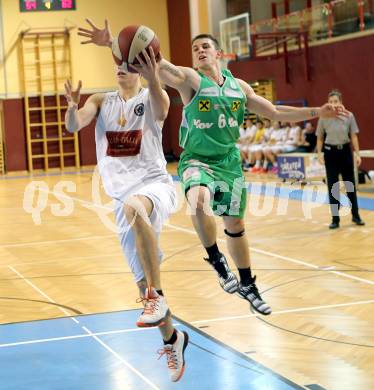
{"points": [[240, 354], [261, 251], [250, 184], [287, 311], [78, 336], [286, 258], [107, 347], [31, 243], [119, 331]]}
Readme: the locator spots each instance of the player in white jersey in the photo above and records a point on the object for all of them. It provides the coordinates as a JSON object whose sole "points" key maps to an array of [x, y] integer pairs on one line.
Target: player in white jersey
{"points": [[247, 134], [275, 145], [293, 138], [133, 169]]}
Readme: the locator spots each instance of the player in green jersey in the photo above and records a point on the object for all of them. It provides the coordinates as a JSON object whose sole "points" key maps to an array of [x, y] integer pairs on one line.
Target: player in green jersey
{"points": [[210, 165]]}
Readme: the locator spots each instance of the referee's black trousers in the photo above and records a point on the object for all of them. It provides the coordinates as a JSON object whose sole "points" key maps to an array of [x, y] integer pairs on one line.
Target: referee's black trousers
{"points": [[339, 160]]}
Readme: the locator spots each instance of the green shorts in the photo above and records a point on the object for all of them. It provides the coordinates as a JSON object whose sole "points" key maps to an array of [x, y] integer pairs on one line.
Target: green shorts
{"points": [[224, 178]]}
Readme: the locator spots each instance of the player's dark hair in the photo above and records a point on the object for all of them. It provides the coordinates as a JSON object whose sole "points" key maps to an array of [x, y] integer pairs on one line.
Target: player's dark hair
{"points": [[337, 93], [211, 37]]}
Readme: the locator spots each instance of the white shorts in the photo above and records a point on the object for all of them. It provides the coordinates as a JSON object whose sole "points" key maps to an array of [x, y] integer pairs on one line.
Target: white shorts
{"points": [[164, 199], [242, 147], [255, 148], [274, 148], [288, 148]]}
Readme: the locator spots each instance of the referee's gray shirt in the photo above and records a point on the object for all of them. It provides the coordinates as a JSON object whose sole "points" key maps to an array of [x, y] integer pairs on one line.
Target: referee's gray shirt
{"points": [[337, 131]]}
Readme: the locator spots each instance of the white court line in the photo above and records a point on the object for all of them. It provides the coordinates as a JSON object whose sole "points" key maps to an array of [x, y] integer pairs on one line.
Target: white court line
{"points": [[271, 254], [120, 331], [55, 241], [286, 258], [123, 361], [78, 336], [114, 353], [60, 261], [41, 292], [301, 309]]}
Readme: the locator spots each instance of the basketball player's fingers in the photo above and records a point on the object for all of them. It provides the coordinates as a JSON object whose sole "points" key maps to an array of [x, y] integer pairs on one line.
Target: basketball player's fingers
{"points": [[141, 62], [342, 117], [84, 34], [85, 30], [152, 55], [79, 86], [146, 57], [106, 24], [341, 111], [89, 21], [67, 91], [85, 42], [67, 86]]}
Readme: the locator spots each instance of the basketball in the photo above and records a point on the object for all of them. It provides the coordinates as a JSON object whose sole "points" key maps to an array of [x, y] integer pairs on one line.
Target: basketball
{"points": [[130, 42]]}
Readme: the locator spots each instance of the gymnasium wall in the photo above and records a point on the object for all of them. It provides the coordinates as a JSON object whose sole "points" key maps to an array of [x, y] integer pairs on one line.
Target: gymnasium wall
{"points": [[180, 54], [347, 65], [91, 64]]}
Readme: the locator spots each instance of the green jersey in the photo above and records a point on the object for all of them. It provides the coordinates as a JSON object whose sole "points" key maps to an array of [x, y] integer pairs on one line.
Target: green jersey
{"points": [[211, 120]]}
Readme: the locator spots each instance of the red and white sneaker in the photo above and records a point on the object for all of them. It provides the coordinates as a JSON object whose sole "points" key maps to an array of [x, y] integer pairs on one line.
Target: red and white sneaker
{"points": [[175, 356], [155, 309], [255, 170]]}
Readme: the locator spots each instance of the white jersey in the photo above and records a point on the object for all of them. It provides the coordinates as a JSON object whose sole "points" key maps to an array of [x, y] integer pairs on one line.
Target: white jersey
{"points": [[278, 136], [129, 145], [293, 135], [248, 132], [268, 131]]}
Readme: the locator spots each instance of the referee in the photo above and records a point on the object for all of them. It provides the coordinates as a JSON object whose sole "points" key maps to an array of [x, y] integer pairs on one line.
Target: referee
{"points": [[335, 137]]}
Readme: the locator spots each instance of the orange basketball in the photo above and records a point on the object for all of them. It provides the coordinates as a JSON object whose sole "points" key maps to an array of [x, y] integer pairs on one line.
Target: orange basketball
{"points": [[130, 42]]}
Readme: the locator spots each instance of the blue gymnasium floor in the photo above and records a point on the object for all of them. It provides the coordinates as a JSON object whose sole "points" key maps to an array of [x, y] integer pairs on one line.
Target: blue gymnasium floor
{"points": [[107, 352]]}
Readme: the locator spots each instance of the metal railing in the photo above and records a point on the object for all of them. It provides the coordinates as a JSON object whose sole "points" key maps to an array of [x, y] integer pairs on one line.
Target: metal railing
{"points": [[338, 17]]}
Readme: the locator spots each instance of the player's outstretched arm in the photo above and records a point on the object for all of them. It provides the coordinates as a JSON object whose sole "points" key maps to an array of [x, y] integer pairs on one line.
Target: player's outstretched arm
{"points": [[263, 107], [178, 77], [149, 69], [77, 119], [97, 36]]}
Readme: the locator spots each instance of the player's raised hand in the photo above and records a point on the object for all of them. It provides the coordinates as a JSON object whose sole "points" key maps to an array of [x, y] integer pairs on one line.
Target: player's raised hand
{"points": [[73, 95], [148, 66], [97, 36], [333, 111]]}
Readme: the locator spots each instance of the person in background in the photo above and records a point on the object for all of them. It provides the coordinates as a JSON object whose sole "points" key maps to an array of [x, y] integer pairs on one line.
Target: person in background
{"points": [[260, 153], [247, 132], [293, 138], [308, 139], [255, 149], [275, 146], [336, 138]]}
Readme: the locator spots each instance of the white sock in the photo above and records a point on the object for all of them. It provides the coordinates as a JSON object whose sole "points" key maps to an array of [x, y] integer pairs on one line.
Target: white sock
{"points": [[265, 164], [258, 163], [275, 164]]}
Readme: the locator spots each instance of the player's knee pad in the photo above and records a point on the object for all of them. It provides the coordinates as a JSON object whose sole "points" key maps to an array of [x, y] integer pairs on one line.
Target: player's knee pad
{"points": [[235, 235]]}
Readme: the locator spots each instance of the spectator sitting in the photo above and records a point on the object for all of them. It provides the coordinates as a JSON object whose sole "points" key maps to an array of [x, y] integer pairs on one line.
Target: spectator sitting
{"points": [[258, 147], [293, 138], [308, 139], [274, 146], [247, 133]]}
